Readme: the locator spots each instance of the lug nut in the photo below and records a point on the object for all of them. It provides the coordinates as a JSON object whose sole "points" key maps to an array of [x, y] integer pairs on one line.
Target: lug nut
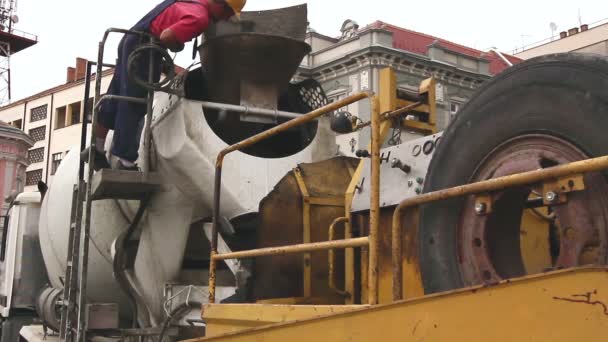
{"points": [[480, 208], [551, 196]]}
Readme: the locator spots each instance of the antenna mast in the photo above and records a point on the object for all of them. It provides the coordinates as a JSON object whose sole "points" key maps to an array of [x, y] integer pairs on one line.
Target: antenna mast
{"points": [[11, 42]]}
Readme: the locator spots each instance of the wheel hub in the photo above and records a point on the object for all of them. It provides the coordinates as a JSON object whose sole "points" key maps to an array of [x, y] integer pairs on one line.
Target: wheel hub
{"points": [[495, 246]]}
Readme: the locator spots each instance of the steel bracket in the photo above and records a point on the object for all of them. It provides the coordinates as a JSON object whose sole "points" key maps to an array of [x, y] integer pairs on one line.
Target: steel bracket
{"points": [[555, 191]]}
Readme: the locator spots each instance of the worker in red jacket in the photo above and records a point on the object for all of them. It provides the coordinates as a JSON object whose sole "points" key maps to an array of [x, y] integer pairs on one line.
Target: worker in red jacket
{"points": [[173, 22]]}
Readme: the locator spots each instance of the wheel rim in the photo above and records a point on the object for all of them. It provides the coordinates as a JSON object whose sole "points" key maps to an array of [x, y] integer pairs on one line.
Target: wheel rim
{"points": [[495, 246]]}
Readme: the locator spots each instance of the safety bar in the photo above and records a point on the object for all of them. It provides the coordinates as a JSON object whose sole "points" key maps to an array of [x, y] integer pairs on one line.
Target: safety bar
{"points": [[295, 249], [330, 256], [301, 120], [521, 179], [253, 111]]}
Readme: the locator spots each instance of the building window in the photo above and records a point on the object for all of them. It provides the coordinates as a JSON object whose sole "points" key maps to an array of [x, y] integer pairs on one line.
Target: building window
{"points": [[75, 111], [454, 108], [38, 113], [36, 155], [56, 161], [39, 133], [17, 124], [60, 115], [33, 177]]}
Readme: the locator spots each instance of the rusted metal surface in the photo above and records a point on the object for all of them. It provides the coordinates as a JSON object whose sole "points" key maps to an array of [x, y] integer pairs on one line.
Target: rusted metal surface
{"points": [[288, 22], [295, 249], [374, 203], [563, 306], [326, 183], [331, 259], [250, 68], [305, 230], [491, 185], [249, 142]]}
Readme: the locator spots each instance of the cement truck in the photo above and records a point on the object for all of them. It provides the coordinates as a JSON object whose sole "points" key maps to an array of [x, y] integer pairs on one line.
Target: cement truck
{"points": [[169, 250], [254, 217]]}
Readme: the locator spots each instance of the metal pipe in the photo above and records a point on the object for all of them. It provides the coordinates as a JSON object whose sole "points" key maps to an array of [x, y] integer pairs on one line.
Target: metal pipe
{"points": [[303, 119], [374, 212], [118, 98], [295, 249], [149, 109], [330, 256], [389, 115], [496, 184], [85, 109], [254, 111], [501, 56]]}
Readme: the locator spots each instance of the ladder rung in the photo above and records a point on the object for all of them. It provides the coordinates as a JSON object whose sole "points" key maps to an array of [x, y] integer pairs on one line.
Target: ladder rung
{"points": [[69, 264], [73, 225]]}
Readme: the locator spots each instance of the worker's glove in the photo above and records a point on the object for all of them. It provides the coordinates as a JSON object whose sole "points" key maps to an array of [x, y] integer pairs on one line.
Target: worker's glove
{"points": [[178, 48]]}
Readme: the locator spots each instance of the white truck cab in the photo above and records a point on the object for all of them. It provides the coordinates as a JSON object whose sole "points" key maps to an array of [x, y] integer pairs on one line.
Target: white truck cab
{"points": [[22, 270]]}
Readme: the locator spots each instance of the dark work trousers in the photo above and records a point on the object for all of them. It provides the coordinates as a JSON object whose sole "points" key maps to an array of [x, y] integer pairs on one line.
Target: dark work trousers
{"points": [[125, 117]]}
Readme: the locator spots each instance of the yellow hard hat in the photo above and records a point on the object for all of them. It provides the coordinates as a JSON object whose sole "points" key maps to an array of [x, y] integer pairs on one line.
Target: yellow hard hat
{"points": [[237, 6]]}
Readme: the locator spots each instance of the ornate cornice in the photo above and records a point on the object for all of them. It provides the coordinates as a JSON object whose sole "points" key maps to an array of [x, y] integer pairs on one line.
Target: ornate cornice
{"points": [[401, 61]]}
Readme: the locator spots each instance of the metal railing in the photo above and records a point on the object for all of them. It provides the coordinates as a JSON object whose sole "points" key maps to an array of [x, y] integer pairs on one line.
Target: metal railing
{"points": [[84, 188], [483, 187], [370, 241]]}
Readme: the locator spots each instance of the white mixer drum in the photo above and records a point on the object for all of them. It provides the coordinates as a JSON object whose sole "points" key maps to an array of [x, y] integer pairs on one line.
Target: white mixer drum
{"points": [[107, 223]]}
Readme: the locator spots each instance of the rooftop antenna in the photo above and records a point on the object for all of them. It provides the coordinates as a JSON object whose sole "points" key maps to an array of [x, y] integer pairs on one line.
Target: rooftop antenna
{"points": [[11, 42], [553, 27], [580, 19]]}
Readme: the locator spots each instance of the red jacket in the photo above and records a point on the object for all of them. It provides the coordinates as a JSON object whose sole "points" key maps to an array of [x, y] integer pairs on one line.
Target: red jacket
{"points": [[189, 20]]}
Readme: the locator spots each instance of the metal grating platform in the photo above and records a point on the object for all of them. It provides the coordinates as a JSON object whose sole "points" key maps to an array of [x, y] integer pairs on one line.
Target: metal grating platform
{"points": [[119, 184]]}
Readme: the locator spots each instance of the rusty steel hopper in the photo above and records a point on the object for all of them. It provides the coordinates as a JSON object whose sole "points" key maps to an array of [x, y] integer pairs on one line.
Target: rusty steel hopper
{"points": [[250, 69]]}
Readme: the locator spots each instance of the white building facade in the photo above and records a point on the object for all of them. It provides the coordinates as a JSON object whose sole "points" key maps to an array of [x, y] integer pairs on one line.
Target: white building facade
{"points": [[53, 118]]}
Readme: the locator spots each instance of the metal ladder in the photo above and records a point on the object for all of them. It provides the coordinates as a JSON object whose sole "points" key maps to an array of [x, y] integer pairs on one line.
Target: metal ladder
{"points": [[106, 184]]}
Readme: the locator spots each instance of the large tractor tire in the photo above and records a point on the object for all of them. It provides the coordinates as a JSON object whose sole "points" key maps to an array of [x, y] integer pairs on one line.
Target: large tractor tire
{"points": [[545, 111]]}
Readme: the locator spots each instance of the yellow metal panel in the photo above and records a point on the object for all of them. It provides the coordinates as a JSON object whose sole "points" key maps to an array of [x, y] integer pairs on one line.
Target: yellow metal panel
{"points": [[563, 306], [534, 241], [230, 318], [387, 93], [349, 255], [306, 228]]}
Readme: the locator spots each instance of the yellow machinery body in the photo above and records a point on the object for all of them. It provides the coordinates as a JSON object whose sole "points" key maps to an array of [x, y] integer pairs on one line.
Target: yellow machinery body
{"points": [[351, 294], [568, 305]]}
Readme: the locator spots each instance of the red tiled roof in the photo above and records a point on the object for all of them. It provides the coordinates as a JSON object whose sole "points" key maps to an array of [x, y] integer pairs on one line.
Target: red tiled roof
{"points": [[417, 42]]}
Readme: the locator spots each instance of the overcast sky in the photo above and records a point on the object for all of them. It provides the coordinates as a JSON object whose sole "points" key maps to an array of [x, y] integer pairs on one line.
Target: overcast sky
{"points": [[68, 29]]}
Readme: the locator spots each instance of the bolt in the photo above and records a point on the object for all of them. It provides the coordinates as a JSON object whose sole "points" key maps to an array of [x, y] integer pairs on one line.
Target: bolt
{"points": [[480, 208], [397, 164], [420, 180], [550, 196], [418, 191]]}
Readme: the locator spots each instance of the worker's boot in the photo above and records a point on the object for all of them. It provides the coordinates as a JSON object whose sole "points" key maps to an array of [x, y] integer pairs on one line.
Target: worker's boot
{"points": [[118, 164], [99, 159]]}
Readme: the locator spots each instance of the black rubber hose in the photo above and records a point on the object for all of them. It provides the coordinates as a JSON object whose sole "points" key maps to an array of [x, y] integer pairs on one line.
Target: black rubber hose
{"points": [[178, 312], [143, 51], [119, 263]]}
